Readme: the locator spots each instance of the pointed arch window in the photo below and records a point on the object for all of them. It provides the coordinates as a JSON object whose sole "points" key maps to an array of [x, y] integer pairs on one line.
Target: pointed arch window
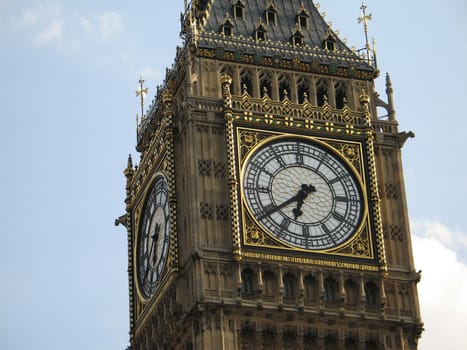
{"points": [[246, 82], [265, 86], [303, 91], [227, 27], [239, 9], [284, 87], [341, 98], [302, 18], [271, 14], [329, 43], [297, 39], [321, 93], [260, 32]]}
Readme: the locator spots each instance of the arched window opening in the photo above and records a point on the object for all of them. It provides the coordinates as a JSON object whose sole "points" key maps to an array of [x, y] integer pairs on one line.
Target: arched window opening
{"points": [[303, 91], [289, 285], [329, 43], [227, 30], [265, 86], [260, 32], [284, 88], [321, 93], [341, 99], [247, 281], [302, 18], [227, 27], [238, 9], [330, 290], [246, 83], [271, 15], [210, 277], [321, 96], [371, 294], [260, 35], [297, 39]]}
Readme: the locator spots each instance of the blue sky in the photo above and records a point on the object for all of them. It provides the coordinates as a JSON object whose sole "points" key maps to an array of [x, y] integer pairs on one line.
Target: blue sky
{"points": [[68, 75]]}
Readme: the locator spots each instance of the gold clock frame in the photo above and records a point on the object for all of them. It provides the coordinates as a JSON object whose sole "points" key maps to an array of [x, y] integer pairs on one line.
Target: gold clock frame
{"points": [[158, 158], [359, 245], [360, 242], [138, 220]]}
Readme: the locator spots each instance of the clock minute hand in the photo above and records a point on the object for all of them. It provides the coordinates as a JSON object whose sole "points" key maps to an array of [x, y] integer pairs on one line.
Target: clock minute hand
{"points": [[152, 251], [272, 210], [299, 197], [154, 239]]}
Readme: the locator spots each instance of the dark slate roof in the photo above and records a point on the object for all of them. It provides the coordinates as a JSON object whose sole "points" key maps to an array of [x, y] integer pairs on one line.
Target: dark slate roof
{"points": [[213, 13]]}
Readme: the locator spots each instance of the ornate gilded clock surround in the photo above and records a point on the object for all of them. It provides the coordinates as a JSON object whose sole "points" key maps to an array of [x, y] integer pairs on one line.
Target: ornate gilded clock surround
{"points": [[353, 142], [359, 246], [158, 158]]}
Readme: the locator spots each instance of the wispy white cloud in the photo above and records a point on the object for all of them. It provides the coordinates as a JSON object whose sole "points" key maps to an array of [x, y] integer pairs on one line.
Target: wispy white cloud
{"points": [[28, 18], [51, 35], [151, 73], [443, 287], [452, 238], [110, 25], [63, 28], [105, 26]]}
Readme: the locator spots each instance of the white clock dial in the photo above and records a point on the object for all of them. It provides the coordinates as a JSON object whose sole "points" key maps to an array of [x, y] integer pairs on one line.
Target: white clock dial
{"points": [[302, 193], [153, 239]]}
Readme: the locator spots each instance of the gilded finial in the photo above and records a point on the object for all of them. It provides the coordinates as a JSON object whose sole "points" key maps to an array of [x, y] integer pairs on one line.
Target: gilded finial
{"points": [[364, 19], [128, 172], [142, 93]]}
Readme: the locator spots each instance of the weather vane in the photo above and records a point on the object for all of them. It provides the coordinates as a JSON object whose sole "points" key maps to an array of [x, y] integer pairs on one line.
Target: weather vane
{"points": [[142, 93], [365, 18]]}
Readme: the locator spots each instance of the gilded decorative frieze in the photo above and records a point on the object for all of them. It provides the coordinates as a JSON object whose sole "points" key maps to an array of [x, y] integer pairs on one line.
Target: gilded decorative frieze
{"points": [[295, 63]]}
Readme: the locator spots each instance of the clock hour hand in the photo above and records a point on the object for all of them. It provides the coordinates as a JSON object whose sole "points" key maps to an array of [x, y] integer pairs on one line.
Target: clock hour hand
{"points": [[299, 198], [152, 251], [301, 195]]}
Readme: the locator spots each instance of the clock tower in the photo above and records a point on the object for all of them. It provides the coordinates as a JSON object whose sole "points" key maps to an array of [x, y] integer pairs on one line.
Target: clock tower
{"points": [[268, 208]]}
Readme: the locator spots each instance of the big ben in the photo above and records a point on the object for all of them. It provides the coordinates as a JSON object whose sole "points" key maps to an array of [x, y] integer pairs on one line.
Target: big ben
{"points": [[268, 207]]}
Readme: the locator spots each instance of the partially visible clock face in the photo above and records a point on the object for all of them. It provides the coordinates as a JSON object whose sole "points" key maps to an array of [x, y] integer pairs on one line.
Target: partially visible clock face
{"points": [[302, 193], [153, 239]]}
